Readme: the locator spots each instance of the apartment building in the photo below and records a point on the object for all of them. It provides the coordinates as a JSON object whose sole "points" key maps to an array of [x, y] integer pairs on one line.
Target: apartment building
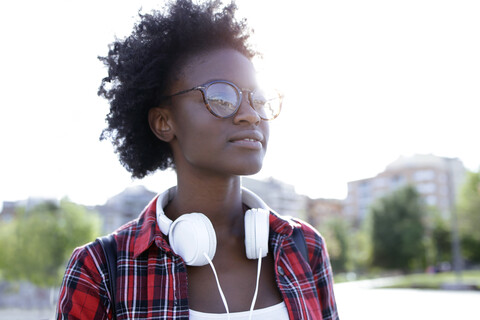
{"points": [[437, 179], [123, 207], [279, 196], [321, 210]]}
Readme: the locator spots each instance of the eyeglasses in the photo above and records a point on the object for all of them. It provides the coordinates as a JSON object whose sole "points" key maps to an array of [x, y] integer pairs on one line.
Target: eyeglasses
{"points": [[223, 98]]}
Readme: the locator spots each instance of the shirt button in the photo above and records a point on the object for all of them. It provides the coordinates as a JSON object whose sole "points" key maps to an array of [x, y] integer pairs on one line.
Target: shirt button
{"points": [[280, 271]]}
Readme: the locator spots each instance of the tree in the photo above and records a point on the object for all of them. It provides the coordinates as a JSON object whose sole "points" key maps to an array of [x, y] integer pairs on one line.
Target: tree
{"points": [[361, 248], [398, 230], [468, 209], [38, 242], [336, 233], [441, 235]]}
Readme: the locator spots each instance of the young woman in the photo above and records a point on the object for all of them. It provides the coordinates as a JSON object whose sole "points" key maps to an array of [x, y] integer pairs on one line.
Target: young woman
{"points": [[184, 95]]}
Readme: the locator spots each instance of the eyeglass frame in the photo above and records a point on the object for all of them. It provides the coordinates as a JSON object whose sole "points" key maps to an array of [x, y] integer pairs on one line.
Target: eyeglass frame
{"points": [[203, 89]]}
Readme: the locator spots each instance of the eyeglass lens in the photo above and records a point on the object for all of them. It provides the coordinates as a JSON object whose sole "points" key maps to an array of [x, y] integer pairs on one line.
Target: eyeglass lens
{"points": [[267, 103], [224, 100]]}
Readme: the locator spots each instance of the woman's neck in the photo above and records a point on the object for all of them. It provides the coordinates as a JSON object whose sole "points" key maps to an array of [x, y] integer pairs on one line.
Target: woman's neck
{"points": [[219, 199]]}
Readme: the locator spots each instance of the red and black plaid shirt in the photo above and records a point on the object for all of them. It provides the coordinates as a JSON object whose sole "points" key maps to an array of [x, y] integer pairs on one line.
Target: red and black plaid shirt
{"points": [[152, 280]]}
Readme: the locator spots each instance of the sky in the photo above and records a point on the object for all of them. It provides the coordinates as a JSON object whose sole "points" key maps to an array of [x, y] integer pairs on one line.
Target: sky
{"points": [[365, 82]]}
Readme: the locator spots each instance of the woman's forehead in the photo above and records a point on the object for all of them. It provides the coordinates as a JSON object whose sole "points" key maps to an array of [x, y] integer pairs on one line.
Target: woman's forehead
{"points": [[219, 64]]}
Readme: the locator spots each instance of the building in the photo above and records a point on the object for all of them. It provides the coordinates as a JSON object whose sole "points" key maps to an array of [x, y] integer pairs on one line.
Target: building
{"points": [[282, 198], [9, 211], [10, 208], [124, 207], [279, 196], [322, 210], [437, 179]]}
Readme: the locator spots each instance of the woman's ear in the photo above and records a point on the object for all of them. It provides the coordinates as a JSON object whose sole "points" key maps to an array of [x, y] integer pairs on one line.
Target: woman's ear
{"points": [[160, 120]]}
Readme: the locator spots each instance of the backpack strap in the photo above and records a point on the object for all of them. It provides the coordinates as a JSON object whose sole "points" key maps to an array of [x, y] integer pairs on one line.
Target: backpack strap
{"points": [[109, 246], [300, 242]]}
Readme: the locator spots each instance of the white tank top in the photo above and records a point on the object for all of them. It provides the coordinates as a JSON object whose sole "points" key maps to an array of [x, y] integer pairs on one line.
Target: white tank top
{"points": [[275, 312]]}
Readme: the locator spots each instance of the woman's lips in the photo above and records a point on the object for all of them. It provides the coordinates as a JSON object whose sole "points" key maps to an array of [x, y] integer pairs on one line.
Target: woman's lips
{"points": [[249, 139], [248, 143]]}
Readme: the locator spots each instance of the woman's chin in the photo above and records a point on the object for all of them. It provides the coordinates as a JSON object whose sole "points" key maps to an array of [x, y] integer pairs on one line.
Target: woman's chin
{"points": [[250, 170]]}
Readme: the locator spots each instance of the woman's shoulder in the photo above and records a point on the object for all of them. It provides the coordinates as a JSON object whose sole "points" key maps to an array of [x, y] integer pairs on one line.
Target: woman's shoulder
{"points": [[86, 266], [308, 231], [314, 240]]}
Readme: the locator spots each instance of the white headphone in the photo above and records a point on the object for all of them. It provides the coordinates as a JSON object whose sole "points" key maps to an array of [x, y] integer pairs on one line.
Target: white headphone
{"points": [[192, 235]]}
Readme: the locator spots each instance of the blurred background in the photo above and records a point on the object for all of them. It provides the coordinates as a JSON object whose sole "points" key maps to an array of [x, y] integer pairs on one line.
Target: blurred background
{"points": [[376, 146]]}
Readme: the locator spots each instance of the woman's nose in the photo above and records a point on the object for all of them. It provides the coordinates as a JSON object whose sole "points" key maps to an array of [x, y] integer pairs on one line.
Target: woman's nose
{"points": [[246, 113]]}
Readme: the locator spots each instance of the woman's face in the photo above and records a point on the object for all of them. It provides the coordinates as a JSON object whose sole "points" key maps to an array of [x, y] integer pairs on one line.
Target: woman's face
{"points": [[232, 146]]}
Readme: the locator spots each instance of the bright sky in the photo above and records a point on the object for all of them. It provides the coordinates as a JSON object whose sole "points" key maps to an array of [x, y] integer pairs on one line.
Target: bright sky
{"points": [[365, 82]]}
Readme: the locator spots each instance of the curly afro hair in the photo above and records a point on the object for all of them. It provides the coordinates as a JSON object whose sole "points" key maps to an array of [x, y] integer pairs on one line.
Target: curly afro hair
{"points": [[140, 68]]}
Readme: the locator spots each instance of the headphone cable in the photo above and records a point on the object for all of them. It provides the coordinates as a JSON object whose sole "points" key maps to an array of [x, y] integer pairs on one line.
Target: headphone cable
{"points": [[224, 300]]}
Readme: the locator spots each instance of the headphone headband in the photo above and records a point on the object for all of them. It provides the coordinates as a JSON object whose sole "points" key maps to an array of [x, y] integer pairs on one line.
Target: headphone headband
{"points": [[164, 223], [201, 239]]}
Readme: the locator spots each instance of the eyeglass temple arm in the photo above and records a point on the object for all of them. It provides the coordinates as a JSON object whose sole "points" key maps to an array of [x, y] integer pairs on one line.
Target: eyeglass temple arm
{"points": [[201, 88]]}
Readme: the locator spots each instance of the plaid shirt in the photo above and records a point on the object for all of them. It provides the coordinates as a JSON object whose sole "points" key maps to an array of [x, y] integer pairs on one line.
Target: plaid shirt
{"points": [[152, 279]]}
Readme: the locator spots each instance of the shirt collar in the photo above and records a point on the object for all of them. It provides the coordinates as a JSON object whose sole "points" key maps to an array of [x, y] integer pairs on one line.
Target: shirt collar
{"points": [[148, 230], [281, 224]]}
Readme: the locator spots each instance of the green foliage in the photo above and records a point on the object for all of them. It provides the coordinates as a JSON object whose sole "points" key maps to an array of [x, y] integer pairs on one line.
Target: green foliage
{"points": [[435, 280], [398, 230], [468, 209], [7, 230], [336, 233], [36, 245], [348, 247], [361, 248], [441, 236], [470, 248]]}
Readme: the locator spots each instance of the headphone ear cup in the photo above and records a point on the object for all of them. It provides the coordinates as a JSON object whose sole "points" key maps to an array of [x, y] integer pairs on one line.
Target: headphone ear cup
{"points": [[190, 236], [257, 227]]}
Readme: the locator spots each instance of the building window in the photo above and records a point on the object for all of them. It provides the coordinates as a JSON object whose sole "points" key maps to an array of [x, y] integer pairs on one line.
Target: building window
{"points": [[425, 188], [431, 200], [380, 182], [424, 175], [443, 178], [396, 182]]}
